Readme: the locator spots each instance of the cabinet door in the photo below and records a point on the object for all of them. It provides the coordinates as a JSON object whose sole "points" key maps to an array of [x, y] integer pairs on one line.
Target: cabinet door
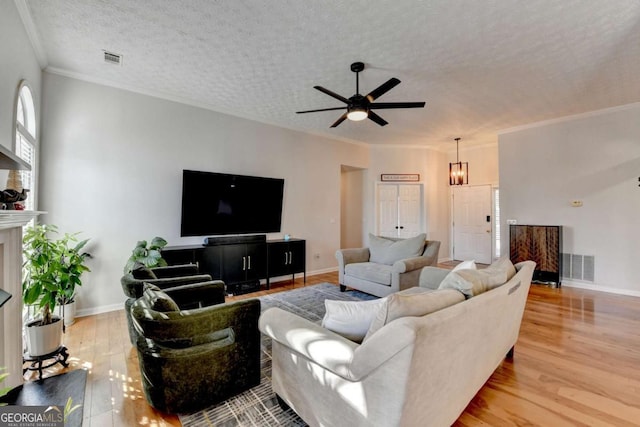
{"points": [[278, 259], [409, 210], [297, 256], [256, 254], [211, 261], [234, 263], [388, 210]]}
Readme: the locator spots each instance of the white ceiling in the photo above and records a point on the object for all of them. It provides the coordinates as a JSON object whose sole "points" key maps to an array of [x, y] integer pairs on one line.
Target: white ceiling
{"points": [[481, 66]]}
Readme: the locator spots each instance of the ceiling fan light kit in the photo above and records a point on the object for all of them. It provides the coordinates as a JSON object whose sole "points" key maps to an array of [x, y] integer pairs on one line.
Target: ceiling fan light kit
{"points": [[358, 106]]}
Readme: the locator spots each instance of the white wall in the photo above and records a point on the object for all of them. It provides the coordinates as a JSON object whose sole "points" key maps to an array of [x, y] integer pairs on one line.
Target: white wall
{"points": [[112, 166], [433, 168], [594, 158], [18, 63]]}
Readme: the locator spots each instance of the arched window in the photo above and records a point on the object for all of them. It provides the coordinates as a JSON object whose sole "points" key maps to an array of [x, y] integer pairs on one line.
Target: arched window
{"points": [[25, 145]]}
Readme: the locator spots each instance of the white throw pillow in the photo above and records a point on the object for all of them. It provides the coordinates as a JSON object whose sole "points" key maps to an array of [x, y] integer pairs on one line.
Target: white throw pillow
{"points": [[387, 251], [351, 319], [466, 265]]}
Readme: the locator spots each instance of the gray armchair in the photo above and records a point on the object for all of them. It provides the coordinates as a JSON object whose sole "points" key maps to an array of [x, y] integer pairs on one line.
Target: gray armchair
{"points": [[162, 277], [191, 359], [383, 274]]}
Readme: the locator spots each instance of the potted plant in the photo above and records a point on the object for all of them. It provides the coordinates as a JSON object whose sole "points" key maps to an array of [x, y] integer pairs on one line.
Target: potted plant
{"points": [[51, 271], [72, 263], [148, 254]]}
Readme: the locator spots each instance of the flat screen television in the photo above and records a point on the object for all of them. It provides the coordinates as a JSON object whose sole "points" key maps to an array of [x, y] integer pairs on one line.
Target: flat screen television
{"points": [[219, 203]]}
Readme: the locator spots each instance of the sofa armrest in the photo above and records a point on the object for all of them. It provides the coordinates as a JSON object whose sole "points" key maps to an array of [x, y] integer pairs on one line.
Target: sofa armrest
{"points": [[319, 345], [175, 270], [197, 295], [430, 277]]}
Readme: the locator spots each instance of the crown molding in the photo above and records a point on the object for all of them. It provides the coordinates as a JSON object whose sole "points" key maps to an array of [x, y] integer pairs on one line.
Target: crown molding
{"points": [[570, 118], [32, 32]]}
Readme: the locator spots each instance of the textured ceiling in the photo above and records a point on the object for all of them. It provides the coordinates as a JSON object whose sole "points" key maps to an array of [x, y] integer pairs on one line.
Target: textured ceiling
{"points": [[481, 66]]}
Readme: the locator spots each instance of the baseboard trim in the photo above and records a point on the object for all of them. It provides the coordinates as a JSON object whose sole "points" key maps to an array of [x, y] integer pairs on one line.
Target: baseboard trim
{"points": [[593, 287], [99, 310]]}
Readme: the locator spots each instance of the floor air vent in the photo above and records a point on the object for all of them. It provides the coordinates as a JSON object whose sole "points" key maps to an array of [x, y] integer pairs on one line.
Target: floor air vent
{"points": [[579, 267]]}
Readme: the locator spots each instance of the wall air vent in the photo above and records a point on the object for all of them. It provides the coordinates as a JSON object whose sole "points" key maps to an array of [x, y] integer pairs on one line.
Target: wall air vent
{"points": [[112, 58], [580, 267]]}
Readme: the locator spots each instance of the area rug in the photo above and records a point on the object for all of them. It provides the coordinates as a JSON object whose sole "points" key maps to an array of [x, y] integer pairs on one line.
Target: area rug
{"points": [[54, 390], [258, 406]]}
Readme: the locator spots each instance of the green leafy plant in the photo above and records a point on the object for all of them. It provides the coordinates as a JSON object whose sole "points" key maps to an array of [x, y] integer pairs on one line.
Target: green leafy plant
{"points": [[148, 254], [51, 268]]}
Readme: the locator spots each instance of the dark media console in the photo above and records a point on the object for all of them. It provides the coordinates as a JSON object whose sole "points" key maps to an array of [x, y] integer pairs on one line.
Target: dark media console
{"points": [[242, 261]]}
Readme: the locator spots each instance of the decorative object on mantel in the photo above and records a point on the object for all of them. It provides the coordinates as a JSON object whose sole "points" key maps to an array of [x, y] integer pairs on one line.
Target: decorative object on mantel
{"points": [[10, 198], [14, 180], [402, 177], [458, 171]]}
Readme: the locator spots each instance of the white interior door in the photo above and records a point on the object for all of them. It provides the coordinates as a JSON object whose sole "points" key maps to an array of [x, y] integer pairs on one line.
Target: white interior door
{"points": [[472, 223], [387, 210], [409, 210], [399, 210]]}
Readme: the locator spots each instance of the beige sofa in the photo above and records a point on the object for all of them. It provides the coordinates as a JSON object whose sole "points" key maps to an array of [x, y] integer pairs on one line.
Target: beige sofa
{"points": [[414, 371], [382, 268]]}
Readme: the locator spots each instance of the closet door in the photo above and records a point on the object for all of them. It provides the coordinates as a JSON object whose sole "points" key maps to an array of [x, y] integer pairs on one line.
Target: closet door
{"points": [[399, 210]]}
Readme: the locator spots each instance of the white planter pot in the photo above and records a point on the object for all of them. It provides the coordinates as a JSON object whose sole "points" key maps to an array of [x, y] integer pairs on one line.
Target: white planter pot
{"points": [[45, 339], [68, 314]]}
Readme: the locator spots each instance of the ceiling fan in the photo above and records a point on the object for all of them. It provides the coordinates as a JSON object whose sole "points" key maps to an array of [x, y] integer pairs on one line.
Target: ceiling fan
{"points": [[359, 107]]}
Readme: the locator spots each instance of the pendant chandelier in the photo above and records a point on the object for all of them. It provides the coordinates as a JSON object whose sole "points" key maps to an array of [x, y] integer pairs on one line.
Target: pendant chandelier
{"points": [[458, 171]]}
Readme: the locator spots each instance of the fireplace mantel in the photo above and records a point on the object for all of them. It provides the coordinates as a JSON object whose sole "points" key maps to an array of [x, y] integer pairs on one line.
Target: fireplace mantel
{"points": [[11, 223], [10, 219]]}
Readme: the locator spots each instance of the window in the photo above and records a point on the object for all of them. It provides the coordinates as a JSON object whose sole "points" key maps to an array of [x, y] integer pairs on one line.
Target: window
{"points": [[25, 145]]}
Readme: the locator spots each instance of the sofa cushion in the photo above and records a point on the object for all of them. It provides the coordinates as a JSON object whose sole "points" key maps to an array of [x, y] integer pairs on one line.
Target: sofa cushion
{"points": [[466, 265], [387, 251], [378, 273], [475, 282], [417, 303], [158, 300], [501, 271], [469, 282], [351, 319]]}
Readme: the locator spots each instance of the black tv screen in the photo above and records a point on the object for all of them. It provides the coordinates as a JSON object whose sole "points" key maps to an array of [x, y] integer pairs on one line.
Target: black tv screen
{"points": [[218, 203]]}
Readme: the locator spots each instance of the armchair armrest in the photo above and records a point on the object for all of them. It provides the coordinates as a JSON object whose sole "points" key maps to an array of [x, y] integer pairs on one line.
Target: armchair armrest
{"points": [[319, 345], [175, 270], [240, 316], [410, 264], [197, 295], [353, 255], [133, 287], [430, 277]]}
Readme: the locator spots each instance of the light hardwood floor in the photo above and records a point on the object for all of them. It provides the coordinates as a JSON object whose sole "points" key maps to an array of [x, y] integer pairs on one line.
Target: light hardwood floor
{"points": [[577, 362]]}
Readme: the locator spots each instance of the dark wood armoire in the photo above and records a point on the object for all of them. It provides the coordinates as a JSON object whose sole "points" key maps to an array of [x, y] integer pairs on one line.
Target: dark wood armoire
{"points": [[541, 244]]}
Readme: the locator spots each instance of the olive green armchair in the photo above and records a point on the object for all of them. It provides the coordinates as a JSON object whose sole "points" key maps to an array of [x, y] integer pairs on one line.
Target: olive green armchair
{"points": [[162, 277], [191, 359]]}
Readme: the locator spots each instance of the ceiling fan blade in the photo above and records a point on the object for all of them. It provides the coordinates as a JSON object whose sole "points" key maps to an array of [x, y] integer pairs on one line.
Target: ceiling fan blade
{"points": [[322, 109], [333, 94], [340, 120], [376, 118], [382, 89], [388, 105]]}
